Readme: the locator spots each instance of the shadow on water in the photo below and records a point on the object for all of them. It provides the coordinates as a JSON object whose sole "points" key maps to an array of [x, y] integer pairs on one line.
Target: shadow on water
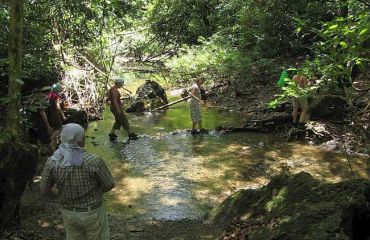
{"points": [[170, 174]]}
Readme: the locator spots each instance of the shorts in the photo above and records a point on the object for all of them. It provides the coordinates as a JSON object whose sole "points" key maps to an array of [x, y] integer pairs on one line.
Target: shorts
{"points": [[195, 112], [301, 102]]}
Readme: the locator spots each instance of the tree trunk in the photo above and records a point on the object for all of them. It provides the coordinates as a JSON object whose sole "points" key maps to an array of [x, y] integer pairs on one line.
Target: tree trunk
{"points": [[15, 67], [18, 160]]}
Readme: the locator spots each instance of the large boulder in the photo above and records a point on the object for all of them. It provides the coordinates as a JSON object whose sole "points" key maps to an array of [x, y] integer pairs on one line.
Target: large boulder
{"points": [[297, 207], [148, 96]]}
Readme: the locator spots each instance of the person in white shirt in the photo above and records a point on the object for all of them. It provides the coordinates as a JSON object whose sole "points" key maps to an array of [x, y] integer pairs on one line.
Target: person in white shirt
{"points": [[195, 101]]}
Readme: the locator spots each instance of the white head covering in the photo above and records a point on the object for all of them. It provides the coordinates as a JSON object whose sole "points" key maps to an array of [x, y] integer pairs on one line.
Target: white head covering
{"points": [[69, 152]]}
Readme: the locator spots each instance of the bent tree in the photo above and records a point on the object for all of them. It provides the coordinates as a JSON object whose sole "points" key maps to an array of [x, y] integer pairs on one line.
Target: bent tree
{"points": [[17, 159]]}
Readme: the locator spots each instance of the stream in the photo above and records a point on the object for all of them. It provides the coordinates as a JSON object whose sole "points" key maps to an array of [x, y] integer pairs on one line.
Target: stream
{"points": [[169, 174]]}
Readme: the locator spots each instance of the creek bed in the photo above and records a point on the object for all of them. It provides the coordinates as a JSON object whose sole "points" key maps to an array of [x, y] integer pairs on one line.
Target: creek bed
{"points": [[170, 174]]}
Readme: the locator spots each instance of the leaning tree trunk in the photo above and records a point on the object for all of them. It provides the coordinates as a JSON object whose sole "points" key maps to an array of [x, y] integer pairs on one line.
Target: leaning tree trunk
{"points": [[17, 159]]}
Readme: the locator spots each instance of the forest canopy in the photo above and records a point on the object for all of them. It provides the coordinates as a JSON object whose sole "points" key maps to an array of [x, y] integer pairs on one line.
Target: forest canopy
{"points": [[246, 41]]}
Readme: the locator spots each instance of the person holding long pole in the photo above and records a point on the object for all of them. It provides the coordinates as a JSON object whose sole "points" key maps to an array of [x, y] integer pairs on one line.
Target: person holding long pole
{"points": [[195, 111]]}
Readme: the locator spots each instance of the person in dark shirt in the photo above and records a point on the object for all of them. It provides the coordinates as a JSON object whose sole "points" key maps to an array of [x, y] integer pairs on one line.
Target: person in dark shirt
{"points": [[114, 100], [55, 113], [39, 129]]}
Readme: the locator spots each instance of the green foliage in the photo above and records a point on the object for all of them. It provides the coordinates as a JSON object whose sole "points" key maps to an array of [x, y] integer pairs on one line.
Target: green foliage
{"points": [[344, 44], [211, 60], [339, 44], [57, 33], [292, 90], [181, 22], [243, 41]]}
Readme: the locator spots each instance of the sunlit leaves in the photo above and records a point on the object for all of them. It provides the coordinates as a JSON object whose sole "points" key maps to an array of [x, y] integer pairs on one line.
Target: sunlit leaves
{"points": [[363, 32], [332, 27], [182, 22]]}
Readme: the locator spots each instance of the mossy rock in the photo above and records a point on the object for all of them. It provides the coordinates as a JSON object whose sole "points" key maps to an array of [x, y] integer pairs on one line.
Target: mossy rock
{"points": [[296, 207], [148, 96]]}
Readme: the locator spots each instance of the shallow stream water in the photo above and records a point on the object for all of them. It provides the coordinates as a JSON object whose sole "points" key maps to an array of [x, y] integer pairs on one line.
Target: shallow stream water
{"points": [[169, 174]]}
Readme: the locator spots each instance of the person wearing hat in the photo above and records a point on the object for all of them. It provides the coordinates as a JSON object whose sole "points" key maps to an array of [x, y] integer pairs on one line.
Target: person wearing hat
{"points": [[114, 99], [81, 179], [55, 113]]}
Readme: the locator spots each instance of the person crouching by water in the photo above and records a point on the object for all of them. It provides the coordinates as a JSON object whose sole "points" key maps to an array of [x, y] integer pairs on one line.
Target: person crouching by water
{"points": [[195, 111], [81, 179], [114, 99], [55, 114]]}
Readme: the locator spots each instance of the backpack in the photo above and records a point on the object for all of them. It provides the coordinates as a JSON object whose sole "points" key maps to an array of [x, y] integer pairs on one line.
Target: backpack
{"points": [[281, 81], [286, 73]]}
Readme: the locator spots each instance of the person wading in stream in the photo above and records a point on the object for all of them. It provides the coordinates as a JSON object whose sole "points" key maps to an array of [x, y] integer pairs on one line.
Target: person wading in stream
{"points": [[81, 179], [195, 111], [55, 114], [114, 99]]}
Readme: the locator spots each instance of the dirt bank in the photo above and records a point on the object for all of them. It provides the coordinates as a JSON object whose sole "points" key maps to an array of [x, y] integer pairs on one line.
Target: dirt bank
{"points": [[41, 220], [348, 133]]}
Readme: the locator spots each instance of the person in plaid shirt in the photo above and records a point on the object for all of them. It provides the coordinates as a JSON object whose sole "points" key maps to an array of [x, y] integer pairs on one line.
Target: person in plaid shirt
{"points": [[81, 179]]}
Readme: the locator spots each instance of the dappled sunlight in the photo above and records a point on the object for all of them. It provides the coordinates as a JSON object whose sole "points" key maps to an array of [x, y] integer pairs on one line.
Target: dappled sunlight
{"points": [[126, 194], [172, 201], [51, 224], [328, 166], [174, 175], [129, 189]]}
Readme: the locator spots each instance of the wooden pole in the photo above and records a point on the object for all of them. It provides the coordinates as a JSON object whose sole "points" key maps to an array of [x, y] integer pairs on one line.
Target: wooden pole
{"points": [[171, 103], [183, 99]]}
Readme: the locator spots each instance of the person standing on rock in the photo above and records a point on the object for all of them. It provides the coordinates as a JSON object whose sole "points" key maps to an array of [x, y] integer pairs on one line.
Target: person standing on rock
{"points": [[195, 111], [81, 179], [114, 99]]}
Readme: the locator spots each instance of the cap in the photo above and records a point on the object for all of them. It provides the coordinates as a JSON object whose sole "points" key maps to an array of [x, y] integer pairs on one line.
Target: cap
{"points": [[119, 81], [56, 87]]}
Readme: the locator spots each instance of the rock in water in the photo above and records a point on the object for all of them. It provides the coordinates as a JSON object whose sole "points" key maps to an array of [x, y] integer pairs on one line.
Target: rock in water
{"points": [[148, 96]]}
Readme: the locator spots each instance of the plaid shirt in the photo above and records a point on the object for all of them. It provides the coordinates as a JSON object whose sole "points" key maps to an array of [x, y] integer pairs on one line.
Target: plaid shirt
{"points": [[79, 186]]}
